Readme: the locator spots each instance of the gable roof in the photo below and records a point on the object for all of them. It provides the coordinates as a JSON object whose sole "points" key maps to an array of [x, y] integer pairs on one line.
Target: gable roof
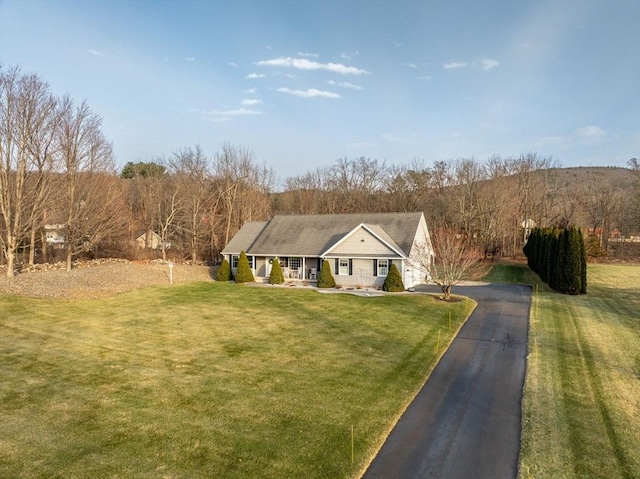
{"points": [[375, 231], [313, 235], [244, 238]]}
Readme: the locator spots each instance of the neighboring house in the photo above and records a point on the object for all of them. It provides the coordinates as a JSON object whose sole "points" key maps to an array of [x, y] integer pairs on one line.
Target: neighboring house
{"points": [[55, 235], [150, 239], [360, 248]]}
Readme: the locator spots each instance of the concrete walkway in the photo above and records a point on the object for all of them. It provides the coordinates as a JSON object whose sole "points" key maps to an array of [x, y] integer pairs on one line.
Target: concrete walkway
{"points": [[465, 422]]}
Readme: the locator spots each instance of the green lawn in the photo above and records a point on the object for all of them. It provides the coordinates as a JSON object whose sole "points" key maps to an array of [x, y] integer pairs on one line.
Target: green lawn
{"points": [[210, 380], [581, 411]]}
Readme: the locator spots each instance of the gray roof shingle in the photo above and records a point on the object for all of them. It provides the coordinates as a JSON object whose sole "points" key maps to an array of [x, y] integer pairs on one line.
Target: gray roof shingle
{"points": [[312, 235]]}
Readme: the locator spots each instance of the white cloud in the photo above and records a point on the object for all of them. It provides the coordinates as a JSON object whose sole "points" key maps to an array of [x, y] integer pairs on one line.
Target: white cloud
{"points": [[190, 59], [426, 77], [304, 64], [96, 53], [232, 64], [488, 64], [344, 84], [250, 102], [454, 65], [254, 75], [410, 65], [251, 91], [308, 55], [590, 133], [310, 93]]}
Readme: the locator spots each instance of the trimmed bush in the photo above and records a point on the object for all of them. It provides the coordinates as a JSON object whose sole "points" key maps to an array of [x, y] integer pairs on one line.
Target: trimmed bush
{"points": [[224, 272], [325, 280], [276, 276], [393, 282], [244, 273]]}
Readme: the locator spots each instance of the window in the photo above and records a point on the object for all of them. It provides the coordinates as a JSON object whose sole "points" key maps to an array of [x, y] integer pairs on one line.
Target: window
{"points": [[383, 267], [295, 263], [234, 261], [343, 267]]}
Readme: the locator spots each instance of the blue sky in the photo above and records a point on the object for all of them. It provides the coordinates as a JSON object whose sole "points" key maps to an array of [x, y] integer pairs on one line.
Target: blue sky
{"points": [[304, 83]]}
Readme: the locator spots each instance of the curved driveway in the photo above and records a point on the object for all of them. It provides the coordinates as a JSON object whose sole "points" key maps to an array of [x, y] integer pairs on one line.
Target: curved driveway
{"points": [[465, 421]]}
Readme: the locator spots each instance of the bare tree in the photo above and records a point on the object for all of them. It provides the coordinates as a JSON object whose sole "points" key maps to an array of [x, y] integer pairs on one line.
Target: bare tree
{"points": [[192, 172], [87, 165], [455, 260], [27, 117]]}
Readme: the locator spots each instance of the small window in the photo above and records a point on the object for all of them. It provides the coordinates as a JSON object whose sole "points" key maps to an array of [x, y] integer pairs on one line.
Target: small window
{"points": [[234, 261], [383, 267], [343, 267]]}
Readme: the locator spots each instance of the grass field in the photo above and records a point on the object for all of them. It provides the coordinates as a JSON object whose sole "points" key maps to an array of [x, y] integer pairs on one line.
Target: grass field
{"points": [[581, 411], [210, 380]]}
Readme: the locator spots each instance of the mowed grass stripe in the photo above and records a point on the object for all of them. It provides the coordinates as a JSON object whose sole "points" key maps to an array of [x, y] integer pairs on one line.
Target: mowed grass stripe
{"points": [[582, 395], [210, 380]]}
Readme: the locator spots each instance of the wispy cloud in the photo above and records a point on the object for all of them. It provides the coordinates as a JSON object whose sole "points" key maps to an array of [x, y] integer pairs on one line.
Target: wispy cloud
{"points": [[454, 65], [487, 64], [344, 84], [251, 76], [190, 59], [308, 55], [391, 138], [165, 59], [410, 65], [484, 64], [425, 78], [349, 55], [250, 102], [251, 91], [305, 64], [96, 53], [225, 115], [310, 93], [590, 134], [232, 64]]}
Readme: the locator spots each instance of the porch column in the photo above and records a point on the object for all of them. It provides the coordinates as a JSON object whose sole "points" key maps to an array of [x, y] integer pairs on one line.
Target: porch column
{"points": [[304, 268]]}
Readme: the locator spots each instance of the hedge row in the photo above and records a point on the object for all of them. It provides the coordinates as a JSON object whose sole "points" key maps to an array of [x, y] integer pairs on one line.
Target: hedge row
{"points": [[559, 257]]}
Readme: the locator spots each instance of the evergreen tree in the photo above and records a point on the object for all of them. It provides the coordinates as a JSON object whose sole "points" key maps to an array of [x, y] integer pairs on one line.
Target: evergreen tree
{"points": [[244, 273], [224, 272], [276, 276], [583, 264], [325, 280], [393, 282]]}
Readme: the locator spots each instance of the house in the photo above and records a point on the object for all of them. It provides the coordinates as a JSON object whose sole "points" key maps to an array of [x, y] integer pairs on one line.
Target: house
{"points": [[150, 239], [55, 235], [360, 248]]}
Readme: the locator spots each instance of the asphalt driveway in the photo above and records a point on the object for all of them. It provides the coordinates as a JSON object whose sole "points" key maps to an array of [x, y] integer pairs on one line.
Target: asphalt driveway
{"points": [[465, 422]]}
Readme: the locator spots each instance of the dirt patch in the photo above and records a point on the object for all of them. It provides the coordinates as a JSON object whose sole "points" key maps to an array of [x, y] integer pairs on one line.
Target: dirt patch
{"points": [[98, 280]]}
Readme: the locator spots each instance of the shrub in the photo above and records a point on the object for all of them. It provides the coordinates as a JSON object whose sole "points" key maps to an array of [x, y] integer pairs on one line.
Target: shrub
{"points": [[224, 272], [244, 274], [393, 282], [325, 280], [276, 276]]}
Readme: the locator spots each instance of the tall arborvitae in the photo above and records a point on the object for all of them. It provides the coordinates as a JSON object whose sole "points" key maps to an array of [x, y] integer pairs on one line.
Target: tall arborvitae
{"points": [[558, 256], [583, 264], [244, 273]]}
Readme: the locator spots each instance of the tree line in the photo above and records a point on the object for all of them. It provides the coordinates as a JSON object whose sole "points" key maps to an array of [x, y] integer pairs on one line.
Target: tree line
{"points": [[57, 168]]}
